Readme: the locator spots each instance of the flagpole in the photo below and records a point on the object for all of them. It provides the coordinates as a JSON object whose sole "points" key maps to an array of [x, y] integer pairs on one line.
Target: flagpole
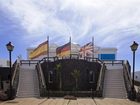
{"points": [[48, 47], [48, 61], [84, 51], [93, 47], [70, 47]]}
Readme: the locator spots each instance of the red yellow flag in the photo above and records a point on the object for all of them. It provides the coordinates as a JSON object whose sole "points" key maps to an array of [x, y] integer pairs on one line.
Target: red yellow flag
{"points": [[40, 50], [63, 50]]}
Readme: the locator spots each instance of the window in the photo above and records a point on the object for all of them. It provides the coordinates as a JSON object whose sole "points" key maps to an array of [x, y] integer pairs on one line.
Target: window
{"points": [[50, 79], [91, 76]]}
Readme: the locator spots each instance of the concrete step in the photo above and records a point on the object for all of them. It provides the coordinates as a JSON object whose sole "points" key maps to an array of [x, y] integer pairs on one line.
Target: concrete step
{"points": [[28, 82], [114, 83], [115, 91], [114, 66], [115, 96], [114, 86], [23, 93]]}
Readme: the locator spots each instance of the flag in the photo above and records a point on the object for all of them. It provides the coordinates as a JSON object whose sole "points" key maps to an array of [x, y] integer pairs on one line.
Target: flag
{"points": [[42, 49], [86, 50], [64, 50]]}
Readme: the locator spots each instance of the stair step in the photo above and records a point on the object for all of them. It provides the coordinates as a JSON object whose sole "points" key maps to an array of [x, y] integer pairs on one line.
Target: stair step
{"points": [[114, 86], [28, 82]]}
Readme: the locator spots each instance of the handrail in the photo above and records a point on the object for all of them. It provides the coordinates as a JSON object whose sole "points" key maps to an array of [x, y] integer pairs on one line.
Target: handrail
{"points": [[42, 83], [127, 77], [42, 76], [29, 62], [15, 70], [15, 77], [100, 82], [52, 59], [113, 62], [129, 72]]}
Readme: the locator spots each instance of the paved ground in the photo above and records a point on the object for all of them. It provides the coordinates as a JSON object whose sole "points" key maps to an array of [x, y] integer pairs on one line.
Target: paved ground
{"points": [[61, 101]]}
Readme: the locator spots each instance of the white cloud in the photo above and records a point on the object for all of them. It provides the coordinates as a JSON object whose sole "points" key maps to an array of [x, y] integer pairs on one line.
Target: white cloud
{"points": [[105, 19], [112, 22]]}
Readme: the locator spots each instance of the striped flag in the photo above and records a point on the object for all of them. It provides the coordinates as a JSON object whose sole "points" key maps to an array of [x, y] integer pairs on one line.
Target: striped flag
{"points": [[42, 49], [64, 50]]}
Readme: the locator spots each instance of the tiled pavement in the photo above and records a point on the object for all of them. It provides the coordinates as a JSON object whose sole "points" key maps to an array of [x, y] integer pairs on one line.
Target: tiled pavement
{"points": [[61, 101]]}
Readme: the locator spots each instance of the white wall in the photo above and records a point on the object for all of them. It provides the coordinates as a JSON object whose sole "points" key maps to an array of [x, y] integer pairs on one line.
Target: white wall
{"points": [[75, 50], [52, 52], [107, 51], [4, 63], [137, 75], [29, 50]]}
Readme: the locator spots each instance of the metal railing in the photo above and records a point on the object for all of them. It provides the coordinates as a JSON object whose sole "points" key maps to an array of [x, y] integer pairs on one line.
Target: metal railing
{"points": [[113, 62], [100, 83], [52, 59], [29, 62], [127, 78], [15, 77], [42, 83], [14, 70]]}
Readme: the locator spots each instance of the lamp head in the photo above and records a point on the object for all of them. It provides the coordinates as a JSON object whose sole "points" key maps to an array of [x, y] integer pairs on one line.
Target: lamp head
{"points": [[134, 46], [9, 46]]}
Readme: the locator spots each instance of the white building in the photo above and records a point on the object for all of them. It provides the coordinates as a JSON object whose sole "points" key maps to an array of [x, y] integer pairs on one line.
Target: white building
{"points": [[4, 62], [101, 53], [137, 76], [107, 53], [75, 48], [98, 52], [52, 52]]}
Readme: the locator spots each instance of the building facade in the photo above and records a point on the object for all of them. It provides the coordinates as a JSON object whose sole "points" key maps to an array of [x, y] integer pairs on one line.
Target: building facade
{"points": [[70, 75], [96, 52], [52, 52], [4, 62], [107, 54]]}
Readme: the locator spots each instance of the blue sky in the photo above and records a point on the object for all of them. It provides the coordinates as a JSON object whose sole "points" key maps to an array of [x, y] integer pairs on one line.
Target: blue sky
{"points": [[26, 23]]}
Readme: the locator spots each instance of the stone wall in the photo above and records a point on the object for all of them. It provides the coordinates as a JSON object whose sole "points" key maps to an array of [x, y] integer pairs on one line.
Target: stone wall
{"points": [[68, 81]]}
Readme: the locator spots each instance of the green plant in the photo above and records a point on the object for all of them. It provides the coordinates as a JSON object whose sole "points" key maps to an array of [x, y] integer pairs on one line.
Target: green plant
{"points": [[58, 69], [76, 75]]}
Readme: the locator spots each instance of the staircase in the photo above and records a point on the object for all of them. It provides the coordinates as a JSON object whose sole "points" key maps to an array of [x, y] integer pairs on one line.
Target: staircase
{"points": [[114, 86], [28, 81]]}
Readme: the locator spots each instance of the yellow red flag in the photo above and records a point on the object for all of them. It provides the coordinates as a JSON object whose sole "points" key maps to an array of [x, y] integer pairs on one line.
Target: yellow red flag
{"points": [[40, 50], [63, 50]]}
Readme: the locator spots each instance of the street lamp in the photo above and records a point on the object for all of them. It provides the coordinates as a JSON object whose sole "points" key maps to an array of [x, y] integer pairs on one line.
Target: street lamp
{"points": [[134, 47], [10, 48]]}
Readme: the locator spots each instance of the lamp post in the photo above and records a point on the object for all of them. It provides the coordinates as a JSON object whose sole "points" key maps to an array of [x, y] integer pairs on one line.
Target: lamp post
{"points": [[10, 48], [133, 47]]}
